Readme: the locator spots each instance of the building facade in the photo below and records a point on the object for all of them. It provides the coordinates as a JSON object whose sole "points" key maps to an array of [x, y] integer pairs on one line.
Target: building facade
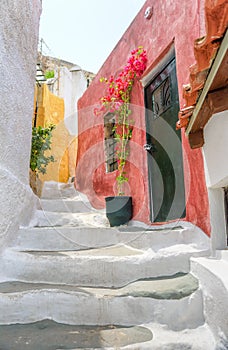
{"points": [[167, 184], [68, 83]]}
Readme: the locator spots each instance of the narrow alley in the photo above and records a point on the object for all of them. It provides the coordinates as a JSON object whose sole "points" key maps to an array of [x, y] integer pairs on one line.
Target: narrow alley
{"points": [[113, 185]]}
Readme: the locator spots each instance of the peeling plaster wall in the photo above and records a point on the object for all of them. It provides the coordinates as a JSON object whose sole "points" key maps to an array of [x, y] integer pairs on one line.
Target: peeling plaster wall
{"points": [[19, 26]]}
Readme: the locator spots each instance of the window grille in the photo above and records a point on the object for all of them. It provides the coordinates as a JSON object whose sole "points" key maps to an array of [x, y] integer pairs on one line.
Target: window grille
{"points": [[110, 143], [161, 98]]}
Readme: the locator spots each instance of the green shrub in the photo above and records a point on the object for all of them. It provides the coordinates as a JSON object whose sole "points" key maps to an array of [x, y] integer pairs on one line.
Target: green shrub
{"points": [[41, 142], [49, 74]]}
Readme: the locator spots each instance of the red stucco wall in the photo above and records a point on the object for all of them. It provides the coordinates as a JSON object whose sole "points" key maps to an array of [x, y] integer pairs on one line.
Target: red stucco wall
{"points": [[173, 23]]}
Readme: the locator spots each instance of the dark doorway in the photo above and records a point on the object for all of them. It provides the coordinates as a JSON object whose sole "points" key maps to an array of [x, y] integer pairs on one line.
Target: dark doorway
{"points": [[164, 148]]}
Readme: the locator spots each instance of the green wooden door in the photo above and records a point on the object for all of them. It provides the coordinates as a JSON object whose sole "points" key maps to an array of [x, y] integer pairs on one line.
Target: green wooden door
{"points": [[166, 183]]}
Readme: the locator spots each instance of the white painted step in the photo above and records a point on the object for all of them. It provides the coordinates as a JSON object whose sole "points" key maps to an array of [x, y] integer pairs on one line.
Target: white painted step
{"points": [[69, 205], [85, 237], [65, 238], [54, 190], [213, 275], [199, 338], [49, 335], [49, 219], [113, 266], [143, 301]]}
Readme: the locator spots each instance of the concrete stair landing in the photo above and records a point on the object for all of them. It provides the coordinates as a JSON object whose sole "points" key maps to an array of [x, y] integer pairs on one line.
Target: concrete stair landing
{"points": [[69, 281]]}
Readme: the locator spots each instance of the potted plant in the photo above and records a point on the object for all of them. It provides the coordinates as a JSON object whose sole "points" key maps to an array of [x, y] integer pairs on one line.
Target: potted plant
{"points": [[117, 101], [41, 142]]}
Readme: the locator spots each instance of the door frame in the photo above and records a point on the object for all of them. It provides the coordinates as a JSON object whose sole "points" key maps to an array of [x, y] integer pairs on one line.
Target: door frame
{"points": [[146, 81], [163, 62]]}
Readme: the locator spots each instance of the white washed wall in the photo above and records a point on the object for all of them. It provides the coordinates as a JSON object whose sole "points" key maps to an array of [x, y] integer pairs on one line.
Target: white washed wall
{"points": [[19, 26], [215, 152], [79, 85]]}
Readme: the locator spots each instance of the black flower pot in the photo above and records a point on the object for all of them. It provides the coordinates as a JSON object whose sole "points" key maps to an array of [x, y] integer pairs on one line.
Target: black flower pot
{"points": [[118, 210]]}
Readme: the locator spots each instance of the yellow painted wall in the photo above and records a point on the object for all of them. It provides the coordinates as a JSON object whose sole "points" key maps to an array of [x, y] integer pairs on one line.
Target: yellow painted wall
{"points": [[51, 111], [72, 149]]}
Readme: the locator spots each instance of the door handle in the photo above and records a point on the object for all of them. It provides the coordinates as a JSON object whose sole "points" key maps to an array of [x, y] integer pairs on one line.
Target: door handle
{"points": [[149, 147]]}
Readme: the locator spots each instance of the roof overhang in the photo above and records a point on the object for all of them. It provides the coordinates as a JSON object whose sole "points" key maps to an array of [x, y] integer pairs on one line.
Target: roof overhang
{"points": [[213, 98]]}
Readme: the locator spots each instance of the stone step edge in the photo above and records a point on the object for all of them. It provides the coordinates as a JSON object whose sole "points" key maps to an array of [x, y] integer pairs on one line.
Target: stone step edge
{"points": [[184, 234], [70, 335], [78, 269], [66, 206], [89, 309], [155, 288], [119, 229], [199, 338], [143, 336], [212, 273], [109, 252], [82, 237]]}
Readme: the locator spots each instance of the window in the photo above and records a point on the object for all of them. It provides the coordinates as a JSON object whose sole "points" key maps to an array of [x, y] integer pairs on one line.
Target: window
{"points": [[110, 143]]}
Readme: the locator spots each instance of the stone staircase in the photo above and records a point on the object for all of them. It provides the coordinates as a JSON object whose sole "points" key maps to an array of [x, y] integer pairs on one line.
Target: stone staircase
{"points": [[69, 281]]}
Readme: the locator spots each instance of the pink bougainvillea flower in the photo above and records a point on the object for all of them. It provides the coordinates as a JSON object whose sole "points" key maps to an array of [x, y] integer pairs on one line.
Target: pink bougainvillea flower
{"points": [[119, 88], [117, 101]]}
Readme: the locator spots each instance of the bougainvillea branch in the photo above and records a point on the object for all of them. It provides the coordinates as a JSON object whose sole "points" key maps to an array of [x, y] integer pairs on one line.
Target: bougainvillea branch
{"points": [[117, 100]]}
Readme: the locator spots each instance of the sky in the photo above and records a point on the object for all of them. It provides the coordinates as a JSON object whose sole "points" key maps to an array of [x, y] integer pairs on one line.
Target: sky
{"points": [[85, 32]]}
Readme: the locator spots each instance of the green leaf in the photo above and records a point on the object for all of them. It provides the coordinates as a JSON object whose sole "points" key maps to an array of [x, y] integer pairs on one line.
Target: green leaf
{"points": [[41, 142]]}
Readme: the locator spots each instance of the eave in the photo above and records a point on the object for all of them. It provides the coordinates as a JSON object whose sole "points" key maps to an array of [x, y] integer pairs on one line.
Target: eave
{"points": [[206, 93], [213, 98]]}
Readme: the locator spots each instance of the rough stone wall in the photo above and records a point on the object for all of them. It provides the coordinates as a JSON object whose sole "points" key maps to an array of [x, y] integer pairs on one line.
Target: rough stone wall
{"points": [[19, 26], [53, 63]]}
